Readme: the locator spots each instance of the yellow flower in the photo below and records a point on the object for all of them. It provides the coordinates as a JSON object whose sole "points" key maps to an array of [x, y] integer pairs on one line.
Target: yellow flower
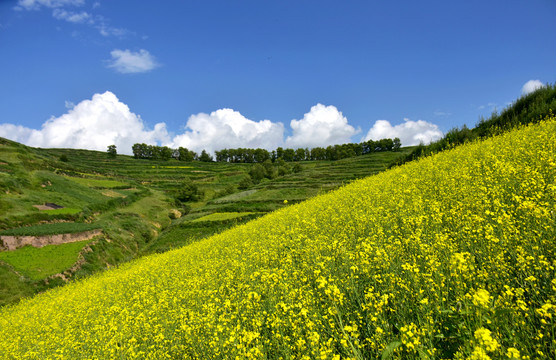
{"points": [[479, 354], [483, 337], [481, 298], [513, 353]]}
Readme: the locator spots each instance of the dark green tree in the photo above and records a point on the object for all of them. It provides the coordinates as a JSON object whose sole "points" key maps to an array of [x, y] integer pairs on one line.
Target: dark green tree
{"points": [[289, 155], [397, 144], [186, 155], [112, 151], [205, 157], [165, 153]]}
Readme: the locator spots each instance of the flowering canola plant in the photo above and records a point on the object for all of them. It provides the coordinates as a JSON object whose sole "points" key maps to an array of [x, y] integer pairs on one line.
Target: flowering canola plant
{"points": [[452, 256]]}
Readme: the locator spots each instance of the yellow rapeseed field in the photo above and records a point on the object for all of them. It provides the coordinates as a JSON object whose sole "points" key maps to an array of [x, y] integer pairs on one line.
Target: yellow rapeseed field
{"points": [[452, 256]]}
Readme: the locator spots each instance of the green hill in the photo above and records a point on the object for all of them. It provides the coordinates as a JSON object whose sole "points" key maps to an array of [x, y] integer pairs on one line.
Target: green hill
{"points": [[528, 109], [451, 256], [134, 202]]}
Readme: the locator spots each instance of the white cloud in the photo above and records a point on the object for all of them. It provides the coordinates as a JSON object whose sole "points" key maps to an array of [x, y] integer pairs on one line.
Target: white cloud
{"points": [[104, 120], [321, 126], [226, 128], [92, 124], [410, 132], [37, 4], [126, 61], [531, 86], [73, 17]]}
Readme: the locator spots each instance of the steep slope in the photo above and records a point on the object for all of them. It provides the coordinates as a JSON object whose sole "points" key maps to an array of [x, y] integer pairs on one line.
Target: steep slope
{"points": [[528, 109], [452, 256]]}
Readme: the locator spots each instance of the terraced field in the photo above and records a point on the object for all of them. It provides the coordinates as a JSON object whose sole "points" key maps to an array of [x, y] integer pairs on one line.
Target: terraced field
{"points": [[133, 201]]}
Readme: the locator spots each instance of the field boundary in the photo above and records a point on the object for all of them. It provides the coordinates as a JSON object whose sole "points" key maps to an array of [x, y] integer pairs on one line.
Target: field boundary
{"points": [[13, 242]]}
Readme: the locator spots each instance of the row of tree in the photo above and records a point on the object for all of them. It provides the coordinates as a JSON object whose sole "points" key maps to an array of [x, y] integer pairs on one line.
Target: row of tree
{"points": [[332, 152], [154, 152], [245, 155]]}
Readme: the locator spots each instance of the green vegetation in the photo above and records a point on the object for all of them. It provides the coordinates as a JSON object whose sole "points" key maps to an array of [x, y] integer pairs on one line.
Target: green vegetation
{"points": [[37, 264], [400, 265], [151, 205], [111, 151], [528, 109], [243, 155], [63, 211], [100, 183], [222, 216], [14, 286], [50, 229]]}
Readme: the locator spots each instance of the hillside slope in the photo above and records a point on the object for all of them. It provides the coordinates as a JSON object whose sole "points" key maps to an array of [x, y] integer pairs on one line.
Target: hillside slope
{"points": [[451, 256], [134, 202], [528, 109]]}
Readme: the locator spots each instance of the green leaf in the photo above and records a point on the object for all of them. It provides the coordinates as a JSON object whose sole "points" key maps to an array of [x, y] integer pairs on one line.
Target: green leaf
{"points": [[422, 354], [390, 348]]}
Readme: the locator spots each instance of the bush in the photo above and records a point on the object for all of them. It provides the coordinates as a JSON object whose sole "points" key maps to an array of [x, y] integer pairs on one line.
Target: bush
{"points": [[188, 191], [230, 189], [257, 173], [245, 183]]}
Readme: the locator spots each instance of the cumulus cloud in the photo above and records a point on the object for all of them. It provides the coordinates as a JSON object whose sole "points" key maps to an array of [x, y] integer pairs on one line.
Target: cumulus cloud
{"points": [[321, 126], [531, 86], [227, 128], [105, 120], [92, 124], [410, 132], [126, 61]]}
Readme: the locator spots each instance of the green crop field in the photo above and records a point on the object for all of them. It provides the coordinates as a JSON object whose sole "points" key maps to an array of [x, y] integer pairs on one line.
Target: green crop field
{"points": [[100, 183], [400, 265], [68, 211], [222, 216], [37, 264]]}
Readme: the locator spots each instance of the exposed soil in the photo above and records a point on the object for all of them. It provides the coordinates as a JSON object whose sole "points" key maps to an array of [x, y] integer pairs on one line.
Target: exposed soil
{"points": [[112, 193], [48, 206], [15, 242]]}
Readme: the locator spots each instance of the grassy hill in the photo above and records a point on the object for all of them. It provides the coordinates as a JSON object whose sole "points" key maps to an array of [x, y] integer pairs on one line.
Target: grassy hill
{"points": [[450, 256], [133, 201], [528, 109]]}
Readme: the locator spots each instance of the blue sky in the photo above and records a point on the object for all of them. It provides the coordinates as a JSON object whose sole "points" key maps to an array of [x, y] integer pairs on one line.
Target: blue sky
{"points": [[214, 74]]}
